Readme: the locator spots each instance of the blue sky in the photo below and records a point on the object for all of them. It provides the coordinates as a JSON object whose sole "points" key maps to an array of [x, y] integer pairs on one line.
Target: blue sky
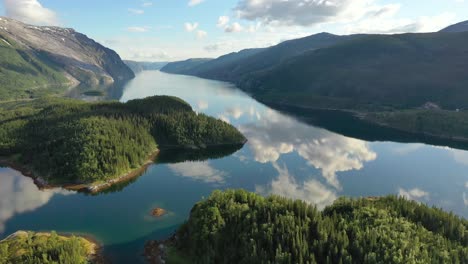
{"points": [[155, 30]]}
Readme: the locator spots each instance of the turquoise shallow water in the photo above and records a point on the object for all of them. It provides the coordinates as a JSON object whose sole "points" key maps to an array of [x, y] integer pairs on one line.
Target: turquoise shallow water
{"points": [[283, 156]]}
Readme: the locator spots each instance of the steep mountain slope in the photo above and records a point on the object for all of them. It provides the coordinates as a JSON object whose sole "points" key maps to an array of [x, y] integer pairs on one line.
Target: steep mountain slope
{"points": [[217, 68], [400, 71], [34, 59], [183, 67], [139, 66], [233, 66], [459, 27]]}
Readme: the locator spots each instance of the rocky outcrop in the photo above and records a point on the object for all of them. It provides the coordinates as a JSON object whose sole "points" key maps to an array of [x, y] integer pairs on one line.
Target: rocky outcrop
{"points": [[80, 59]]}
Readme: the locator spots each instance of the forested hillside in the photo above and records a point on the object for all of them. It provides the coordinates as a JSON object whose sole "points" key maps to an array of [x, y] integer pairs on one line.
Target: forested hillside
{"points": [[378, 71], [235, 66], [182, 67], [243, 227], [33, 248], [70, 141]]}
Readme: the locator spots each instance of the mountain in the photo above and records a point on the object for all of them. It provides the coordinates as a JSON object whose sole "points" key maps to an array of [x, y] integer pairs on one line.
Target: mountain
{"points": [[182, 67], [460, 27], [139, 66], [399, 71], [233, 66], [36, 60]]}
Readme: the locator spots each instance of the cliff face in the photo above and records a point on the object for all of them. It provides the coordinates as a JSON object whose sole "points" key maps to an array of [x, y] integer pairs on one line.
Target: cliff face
{"points": [[46, 51]]}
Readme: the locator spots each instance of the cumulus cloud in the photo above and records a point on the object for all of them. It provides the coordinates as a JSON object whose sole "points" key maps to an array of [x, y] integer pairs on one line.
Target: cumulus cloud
{"points": [[311, 191], [222, 21], [233, 28], [195, 2], [275, 134], [413, 194], [190, 27], [146, 4], [201, 34], [200, 171], [358, 16], [304, 13], [19, 194], [30, 11]]}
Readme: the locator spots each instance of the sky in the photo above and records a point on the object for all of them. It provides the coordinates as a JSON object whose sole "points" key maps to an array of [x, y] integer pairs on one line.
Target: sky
{"points": [[168, 30]]}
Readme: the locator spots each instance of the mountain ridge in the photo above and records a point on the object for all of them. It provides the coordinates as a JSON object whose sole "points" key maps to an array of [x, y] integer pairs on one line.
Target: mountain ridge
{"points": [[459, 27], [45, 56]]}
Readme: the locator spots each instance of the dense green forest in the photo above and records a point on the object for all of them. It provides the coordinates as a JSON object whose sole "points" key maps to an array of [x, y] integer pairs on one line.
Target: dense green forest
{"points": [[70, 141], [33, 248], [240, 227], [400, 71]]}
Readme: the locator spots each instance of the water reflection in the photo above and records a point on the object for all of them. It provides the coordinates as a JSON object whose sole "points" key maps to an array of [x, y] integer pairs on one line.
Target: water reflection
{"points": [[19, 194], [311, 191], [275, 134], [415, 194], [199, 171]]}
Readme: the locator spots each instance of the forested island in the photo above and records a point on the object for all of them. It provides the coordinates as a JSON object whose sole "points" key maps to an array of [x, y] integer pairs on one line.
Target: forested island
{"points": [[48, 248], [69, 142], [236, 226]]}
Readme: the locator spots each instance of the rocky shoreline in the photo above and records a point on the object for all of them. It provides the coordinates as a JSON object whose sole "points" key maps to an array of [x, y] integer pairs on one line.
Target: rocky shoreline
{"points": [[156, 252], [92, 188]]}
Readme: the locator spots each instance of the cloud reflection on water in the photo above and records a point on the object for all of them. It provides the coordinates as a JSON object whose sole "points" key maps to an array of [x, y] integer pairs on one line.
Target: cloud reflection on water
{"points": [[19, 194], [311, 191], [276, 134], [200, 171]]}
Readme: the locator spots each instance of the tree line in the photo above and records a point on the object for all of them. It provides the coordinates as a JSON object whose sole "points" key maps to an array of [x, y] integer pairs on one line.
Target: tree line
{"points": [[241, 227]]}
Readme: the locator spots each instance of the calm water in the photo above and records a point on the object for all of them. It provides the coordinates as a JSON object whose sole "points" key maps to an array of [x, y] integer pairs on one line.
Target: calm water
{"points": [[283, 156]]}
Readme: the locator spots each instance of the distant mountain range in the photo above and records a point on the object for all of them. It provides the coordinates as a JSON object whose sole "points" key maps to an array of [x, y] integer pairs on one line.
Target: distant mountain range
{"points": [[39, 60], [139, 66], [349, 72], [460, 27]]}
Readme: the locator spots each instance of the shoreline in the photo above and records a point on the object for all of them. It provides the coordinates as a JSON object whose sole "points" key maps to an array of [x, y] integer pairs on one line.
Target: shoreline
{"points": [[91, 188], [363, 117], [97, 187]]}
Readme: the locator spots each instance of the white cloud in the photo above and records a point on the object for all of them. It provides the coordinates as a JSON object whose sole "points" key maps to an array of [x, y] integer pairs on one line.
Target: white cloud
{"points": [[190, 27], [356, 16], [19, 194], [222, 21], [200, 171], [138, 29], [391, 25], [311, 191], [304, 13], [146, 4], [30, 11], [233, 28], [201, 34], [195, 2], [136, 11], [413, 194]]}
